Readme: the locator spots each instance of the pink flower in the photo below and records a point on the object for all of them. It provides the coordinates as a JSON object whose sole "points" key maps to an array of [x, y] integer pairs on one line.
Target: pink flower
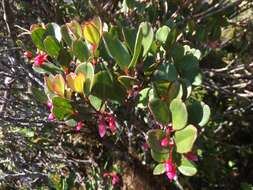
{"points": [[170, 170], [51, 117], [102, 128], [164, 142], [145, 146], [40, 59], [49, 104], [28, 54], [115, 179], [191, 156], [112, 124], [79, 126]]}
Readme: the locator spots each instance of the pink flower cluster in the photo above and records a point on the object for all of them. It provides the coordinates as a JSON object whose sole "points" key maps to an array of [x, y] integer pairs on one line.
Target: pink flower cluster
{"points": [[170, 167], [106, 122], [115, 178], [40, 59]]}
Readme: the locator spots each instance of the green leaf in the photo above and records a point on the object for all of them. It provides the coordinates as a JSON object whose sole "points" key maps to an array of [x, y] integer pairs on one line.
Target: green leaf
{"points": [[155, 137], [160, 157], [39, 95], [179, 114], [162, 34], [188, 68], [129, 35], [159, 169], [187, 167], [200, 113], [88, 71], [172, 37], [175, 91], [144, 98], [117, 50], [160, 110], [127, 81], [185, 139], [148, 35], [177, 53], [75, 28], [53, 29], [137, 48], [38, 36], [165, 72], [105, 87], [52, 46], [187, 88], [66, 35], [47, 68], [64, 58], [62, 108], [80, 50], [96, 102]]}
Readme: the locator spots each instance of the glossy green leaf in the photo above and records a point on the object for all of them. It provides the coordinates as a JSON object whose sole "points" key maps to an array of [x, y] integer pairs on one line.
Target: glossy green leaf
{"points": [[117, 50], [53, 29], [129, 35], [47, 68], [59, 85], [200, 113], [64, 58], [92, 31], [96, 102], [155, 137], [162, 34], [52, 46], [188, 67], [107, 88], [159, 169], [187, 167], [148, 36], [67, 37], [88, 71], [80, 50], [137, 48], [38, 36], [187, 88], [160, 157], [62, 108], [179, 114], [75, 28], [160, 110], [165, 72], [185, 139], [175, 91]]}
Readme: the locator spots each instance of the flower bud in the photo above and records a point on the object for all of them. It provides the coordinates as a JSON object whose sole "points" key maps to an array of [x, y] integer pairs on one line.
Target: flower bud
{"points": [[191, 156], [112, 124], [51, 117], [49, 104], [102, 128], [28, 54], [164, 142], [79, 126]]}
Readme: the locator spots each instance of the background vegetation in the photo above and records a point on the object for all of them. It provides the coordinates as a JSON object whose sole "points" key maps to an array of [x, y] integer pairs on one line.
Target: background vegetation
{"points": [[38, 154]]}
